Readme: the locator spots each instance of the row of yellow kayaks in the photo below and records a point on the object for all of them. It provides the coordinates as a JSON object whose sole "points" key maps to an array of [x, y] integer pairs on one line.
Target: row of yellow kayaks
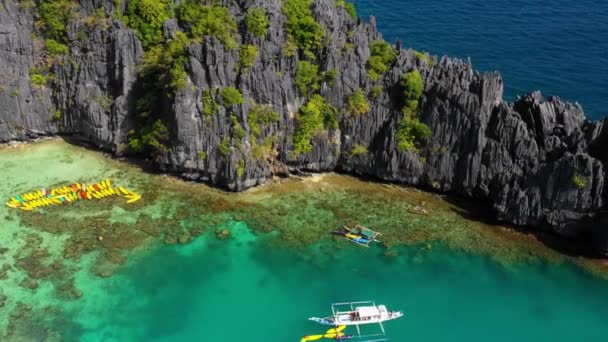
{"points": [[332, 334], [70, 193]]}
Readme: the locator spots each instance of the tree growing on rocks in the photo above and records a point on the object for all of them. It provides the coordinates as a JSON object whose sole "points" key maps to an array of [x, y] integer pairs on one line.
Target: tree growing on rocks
{"points": [[257, 22], [411, 129], [231, 97], [307, 77], [357, 103], [382, 57]]}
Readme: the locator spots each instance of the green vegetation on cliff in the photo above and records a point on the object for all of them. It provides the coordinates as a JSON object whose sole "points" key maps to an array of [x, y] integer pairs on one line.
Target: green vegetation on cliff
{"points": [[312, 119], [146, 17], [423, 57], [358, 150], [56, 117], [349, 7], [247, 56], [261, 115], [579, 181], [376, 91], [382, 57], [38, 77], [231, 97], [302, 27], [257, 22], [38, 80], [238, 132], [164, 65], [208, 20], [224, 147], [307, 77], [161, 73], [53, 18], [411, 129], [330, 76], [357, 103], [240, 169], [55, 48], [97, 19], [150, 138], [210, 105], [163, 69], [413, 86]]}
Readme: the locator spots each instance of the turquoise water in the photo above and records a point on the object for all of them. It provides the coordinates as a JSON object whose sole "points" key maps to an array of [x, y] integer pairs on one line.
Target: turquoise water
{"points": [[256, 288], [247, 289], [559, 47], [263, 286]]}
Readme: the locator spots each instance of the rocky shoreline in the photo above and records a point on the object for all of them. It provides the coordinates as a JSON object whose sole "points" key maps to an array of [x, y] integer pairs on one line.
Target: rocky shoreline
{"points": [[538, 161]]}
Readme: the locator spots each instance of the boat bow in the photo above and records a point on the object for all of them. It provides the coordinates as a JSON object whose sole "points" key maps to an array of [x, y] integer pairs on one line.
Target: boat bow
{"points": [[324, 321]]}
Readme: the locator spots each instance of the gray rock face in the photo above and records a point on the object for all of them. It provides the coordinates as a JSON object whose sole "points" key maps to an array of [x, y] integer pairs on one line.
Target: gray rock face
{"points": [[94, 84], [538, 161], [91, 87], [25, 109]]}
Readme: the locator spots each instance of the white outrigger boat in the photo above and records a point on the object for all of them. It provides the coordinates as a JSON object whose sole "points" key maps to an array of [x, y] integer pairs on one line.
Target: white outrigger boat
{"points": [[359, 313]]}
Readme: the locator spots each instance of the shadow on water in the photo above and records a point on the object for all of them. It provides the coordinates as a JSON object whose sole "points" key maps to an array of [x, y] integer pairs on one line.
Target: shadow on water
{"points": [[483, 213], [144, 165]]}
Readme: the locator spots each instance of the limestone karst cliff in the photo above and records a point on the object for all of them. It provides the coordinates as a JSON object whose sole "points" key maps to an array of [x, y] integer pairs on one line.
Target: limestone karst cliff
{"points": [[538, 161]]}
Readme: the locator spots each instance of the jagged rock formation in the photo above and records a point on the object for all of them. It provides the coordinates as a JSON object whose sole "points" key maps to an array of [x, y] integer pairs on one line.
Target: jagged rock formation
{"points": [[24, 109], [538, 161]]}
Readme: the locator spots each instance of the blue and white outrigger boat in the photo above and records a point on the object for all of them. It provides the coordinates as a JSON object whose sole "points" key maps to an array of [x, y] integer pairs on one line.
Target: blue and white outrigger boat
{"points": [[359, 235], [359, 313]]}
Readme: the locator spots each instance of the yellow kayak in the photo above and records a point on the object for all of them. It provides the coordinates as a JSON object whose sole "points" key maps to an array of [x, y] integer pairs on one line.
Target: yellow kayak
{"points": [[135, 198], [352, 236], [333, 333]]}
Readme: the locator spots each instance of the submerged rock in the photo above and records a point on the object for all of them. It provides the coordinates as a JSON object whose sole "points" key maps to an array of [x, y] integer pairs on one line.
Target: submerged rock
{"points": [[222, 233], [184, 238], [537, 161], [29, 283]]}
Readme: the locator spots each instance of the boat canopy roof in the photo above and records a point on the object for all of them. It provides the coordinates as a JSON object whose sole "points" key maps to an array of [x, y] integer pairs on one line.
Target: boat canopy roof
{"points": [[368, 233], [368, 311]]}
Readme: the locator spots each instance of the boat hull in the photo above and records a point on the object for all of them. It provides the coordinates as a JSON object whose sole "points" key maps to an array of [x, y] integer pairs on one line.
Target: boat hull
{"points": [[345, 320]]}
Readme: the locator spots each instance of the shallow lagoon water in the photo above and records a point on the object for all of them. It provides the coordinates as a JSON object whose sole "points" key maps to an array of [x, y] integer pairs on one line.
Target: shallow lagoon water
{"points": [[158, 276], [245, 290]]}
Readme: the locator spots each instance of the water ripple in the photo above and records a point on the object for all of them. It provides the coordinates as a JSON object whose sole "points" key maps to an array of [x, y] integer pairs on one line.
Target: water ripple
{"points": [[559, 47]]}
